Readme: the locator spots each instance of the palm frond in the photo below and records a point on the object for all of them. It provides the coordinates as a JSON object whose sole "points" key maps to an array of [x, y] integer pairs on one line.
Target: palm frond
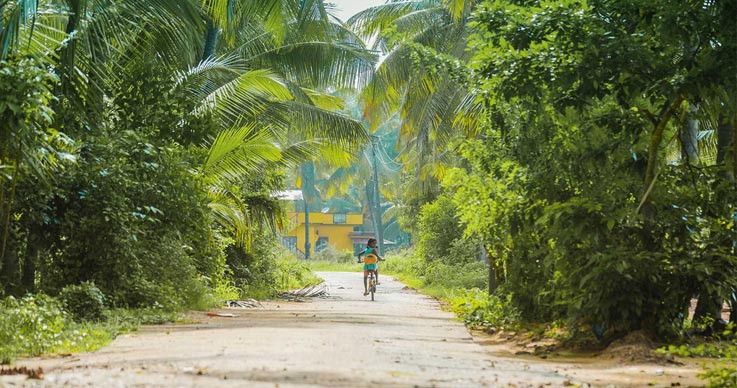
{"points": [[372, 21], [319, 64], [234, 219], [310, 122], [209, 73], [241, 151], [247, 95]]}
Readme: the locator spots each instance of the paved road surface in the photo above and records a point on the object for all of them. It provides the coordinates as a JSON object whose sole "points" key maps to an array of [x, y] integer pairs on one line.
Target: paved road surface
{"points": [[403, 339]]}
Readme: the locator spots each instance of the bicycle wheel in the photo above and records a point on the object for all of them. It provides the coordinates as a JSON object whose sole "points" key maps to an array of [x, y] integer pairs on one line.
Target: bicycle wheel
{"points": [[373, 287]]}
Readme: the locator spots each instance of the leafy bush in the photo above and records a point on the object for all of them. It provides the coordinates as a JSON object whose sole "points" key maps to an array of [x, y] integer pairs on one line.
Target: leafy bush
{"points": [[464, 276], [134, 222], [720, 376], [438, 229], [404, 263], [30, 325], [267, 268], [84, 301], [38, 324], [479, 309], [711, 350], [294, 273], [333, 255]]}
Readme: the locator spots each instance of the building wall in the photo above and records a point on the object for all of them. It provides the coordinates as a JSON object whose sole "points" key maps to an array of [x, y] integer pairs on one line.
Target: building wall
{"points": [[322, 225]]}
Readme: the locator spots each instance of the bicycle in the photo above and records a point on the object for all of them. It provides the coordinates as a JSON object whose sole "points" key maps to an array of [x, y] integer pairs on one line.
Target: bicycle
{"points": [[371, 285]]}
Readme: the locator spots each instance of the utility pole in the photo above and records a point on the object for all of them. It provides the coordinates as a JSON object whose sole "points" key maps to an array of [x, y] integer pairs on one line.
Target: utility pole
{"points": [[377, 199], [307, 228]]}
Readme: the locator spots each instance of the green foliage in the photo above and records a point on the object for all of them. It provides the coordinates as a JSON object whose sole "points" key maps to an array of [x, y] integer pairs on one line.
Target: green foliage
{"points": [[404, 262], [332, 255], [479, 309], [267, 269], [27, 149], [293, 273], [38, 324], [438, 279], [710, 350], [84, 301], [132, 218], [225, 289], [458, 276], [31, 325], [569, 187], [720, 376], [440, 235]]}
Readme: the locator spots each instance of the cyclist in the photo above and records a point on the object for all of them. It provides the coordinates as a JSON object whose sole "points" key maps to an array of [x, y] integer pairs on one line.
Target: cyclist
{"points": [[370, 263]]}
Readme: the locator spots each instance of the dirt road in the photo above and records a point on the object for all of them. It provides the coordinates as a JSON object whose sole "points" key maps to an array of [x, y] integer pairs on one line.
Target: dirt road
{"points": [[403, 339]]}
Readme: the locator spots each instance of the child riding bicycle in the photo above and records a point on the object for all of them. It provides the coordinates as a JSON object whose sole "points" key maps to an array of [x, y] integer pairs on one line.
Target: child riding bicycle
{"points": [[371, 262]]}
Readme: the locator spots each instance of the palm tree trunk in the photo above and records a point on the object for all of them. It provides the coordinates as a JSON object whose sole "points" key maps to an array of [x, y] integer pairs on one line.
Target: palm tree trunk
{"points": [[211, 40], [377, 201]]}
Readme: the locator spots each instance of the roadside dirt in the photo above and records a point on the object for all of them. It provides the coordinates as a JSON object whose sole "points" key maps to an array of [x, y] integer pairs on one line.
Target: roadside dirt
{"points": [[403, 339]]}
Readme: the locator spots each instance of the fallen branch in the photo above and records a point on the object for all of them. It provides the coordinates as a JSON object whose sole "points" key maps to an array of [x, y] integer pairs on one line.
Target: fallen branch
{"points": [[316, 291], [37, 373], [243, 304]]}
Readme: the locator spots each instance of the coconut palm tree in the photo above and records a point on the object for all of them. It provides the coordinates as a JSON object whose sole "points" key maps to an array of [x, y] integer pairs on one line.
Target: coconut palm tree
{"points": [[422, 76], [264, 83]]}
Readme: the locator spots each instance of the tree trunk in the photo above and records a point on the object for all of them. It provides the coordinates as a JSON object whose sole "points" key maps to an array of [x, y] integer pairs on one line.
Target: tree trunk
{"points": [[689, 137], [377, 200], [9, 284], [725, 148], [371, 201], [211, 40], [656, 138], [493, 279], [725, 159], [28, 281], [709, 306], [67, 52]]}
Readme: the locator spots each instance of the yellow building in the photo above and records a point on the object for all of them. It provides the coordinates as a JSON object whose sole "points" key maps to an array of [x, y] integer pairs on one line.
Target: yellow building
{"points": [[326, 229]]}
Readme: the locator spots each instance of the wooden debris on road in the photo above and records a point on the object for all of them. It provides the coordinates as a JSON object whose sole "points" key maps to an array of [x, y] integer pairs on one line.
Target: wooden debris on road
{"points": [[317, 291], [243, 304], [222, 315], [37, 373]]}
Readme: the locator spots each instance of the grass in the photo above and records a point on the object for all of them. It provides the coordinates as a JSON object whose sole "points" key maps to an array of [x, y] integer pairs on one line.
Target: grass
{"points": [[37, 324], [328, 266], [419, 283]]}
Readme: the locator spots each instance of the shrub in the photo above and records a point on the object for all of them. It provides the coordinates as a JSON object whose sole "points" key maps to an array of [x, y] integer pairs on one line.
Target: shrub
{"points": [[466, 276], [438, 229], [30, 326], [463, 250], [84, 301], [720, 376], [267, 268], [333, 255], [294, 273], [404, 263], [479, 309]]}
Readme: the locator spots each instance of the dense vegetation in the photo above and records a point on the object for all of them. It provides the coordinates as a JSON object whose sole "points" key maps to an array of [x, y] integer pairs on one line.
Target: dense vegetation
{"points": [[599, 172], [141, 141]]}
